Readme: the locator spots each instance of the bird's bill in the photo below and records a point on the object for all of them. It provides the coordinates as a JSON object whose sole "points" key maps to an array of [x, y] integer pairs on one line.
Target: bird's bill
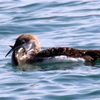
{"points": [[9, 52]]}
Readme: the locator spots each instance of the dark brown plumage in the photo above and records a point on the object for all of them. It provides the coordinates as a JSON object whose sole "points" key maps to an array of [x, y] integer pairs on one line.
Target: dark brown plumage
{"points": [[88, 55], [27, 50]]}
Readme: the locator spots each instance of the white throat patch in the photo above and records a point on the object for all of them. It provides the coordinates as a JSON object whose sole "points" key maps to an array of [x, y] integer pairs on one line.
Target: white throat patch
{"points": [[29, 46]]}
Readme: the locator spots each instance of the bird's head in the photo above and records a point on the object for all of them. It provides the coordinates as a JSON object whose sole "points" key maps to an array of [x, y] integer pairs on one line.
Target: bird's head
{"points": [[24, 45]]}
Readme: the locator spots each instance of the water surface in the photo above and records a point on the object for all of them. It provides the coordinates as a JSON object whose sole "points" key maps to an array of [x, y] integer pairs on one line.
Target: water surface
{"points": [[71, 23]]}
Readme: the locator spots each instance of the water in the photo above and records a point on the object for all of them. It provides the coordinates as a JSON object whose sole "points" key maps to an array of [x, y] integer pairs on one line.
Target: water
{"points": [[57, 23]]}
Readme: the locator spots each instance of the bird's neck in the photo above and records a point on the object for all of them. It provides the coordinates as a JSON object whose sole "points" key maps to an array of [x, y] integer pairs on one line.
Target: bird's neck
{"points": [[20, 57]]}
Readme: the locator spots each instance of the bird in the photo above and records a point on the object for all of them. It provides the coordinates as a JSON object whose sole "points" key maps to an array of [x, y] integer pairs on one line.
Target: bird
{"points": [[27, 50]]}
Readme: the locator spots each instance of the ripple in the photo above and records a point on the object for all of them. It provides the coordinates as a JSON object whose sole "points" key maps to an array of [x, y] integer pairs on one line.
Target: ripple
{"points": [[71, 23]]}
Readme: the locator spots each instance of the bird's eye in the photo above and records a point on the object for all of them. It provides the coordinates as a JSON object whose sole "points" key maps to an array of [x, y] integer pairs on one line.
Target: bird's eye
{"points": [[23, 41]]}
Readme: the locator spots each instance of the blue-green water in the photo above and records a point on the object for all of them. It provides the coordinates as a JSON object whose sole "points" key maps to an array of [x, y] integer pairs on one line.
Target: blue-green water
{"points": [[71, 23]]}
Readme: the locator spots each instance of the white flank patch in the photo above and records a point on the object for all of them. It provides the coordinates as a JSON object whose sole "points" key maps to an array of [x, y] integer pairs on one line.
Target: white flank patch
{"points": [[63, 59]]}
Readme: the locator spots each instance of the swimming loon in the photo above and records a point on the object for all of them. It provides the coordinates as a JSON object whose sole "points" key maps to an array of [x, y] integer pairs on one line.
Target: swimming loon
{"points": [[27, 50]]}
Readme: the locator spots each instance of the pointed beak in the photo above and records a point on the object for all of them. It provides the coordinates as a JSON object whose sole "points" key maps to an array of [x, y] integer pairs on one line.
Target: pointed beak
{"points": [[12, 49], [9, 52]]}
